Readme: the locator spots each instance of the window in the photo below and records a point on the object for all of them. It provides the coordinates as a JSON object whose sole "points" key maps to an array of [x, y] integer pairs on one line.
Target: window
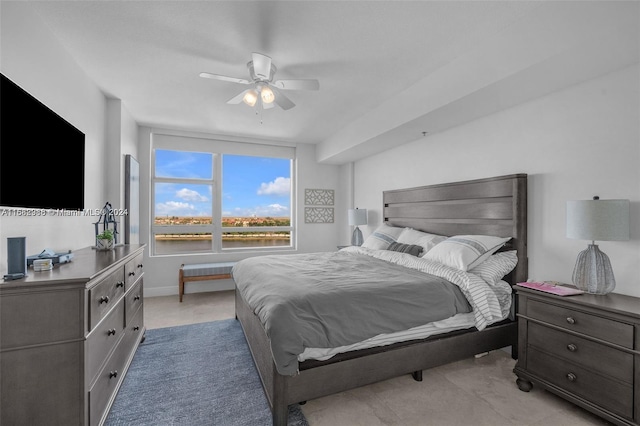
{"points": [[211, 201]]}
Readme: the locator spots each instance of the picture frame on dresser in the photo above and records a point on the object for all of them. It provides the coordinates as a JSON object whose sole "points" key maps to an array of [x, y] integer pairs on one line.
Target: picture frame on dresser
{"points": [[584, 348]]}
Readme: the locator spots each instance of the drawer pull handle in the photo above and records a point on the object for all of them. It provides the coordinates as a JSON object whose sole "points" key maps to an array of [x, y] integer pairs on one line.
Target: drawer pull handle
{"points": [[104, 299], [132, 273], [113, 374], [136, 297], [571, 347], [572, 377], [136, 328], [571, 320], [111, 332], [139, 265], [120, 284]]}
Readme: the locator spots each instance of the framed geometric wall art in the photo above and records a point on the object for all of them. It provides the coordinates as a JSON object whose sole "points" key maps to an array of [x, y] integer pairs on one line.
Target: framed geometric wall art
{"points": [[318, 214], [318, 197]]}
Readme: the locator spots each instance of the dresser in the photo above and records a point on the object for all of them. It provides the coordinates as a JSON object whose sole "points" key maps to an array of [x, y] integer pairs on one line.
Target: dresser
{"points": [[584, 348], [67, 337]]}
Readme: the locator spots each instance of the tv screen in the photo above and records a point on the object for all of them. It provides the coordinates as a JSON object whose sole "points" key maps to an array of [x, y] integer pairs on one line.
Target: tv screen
{"points": [[41, 154]]}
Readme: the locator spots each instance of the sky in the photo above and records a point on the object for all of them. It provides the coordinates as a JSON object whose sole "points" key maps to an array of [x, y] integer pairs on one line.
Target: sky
{"points": [[251, 186]]}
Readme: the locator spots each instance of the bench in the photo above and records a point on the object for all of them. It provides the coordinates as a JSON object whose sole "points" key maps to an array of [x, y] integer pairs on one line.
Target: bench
{"points": [[203, 272]]}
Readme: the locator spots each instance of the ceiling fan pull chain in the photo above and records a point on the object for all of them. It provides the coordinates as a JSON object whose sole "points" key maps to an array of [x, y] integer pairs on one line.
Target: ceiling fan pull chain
{"points": [[261, 111]]}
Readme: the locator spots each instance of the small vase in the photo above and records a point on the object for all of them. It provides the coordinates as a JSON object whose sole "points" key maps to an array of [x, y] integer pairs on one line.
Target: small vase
{"points": [[104, 244]]}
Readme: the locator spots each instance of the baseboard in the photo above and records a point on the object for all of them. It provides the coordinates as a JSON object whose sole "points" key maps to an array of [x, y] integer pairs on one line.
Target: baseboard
{"points": [[192, 287]]}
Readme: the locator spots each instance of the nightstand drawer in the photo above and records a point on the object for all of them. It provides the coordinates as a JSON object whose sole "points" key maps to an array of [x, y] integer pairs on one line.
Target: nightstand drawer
{"points": [[591, 355], [608, 393], [602, 328]]}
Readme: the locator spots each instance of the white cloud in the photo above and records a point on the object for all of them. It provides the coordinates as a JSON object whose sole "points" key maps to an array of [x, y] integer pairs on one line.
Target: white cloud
{"points": [[190, 195], [280, 186], [273, 210], [175, 208], [278, 208]]}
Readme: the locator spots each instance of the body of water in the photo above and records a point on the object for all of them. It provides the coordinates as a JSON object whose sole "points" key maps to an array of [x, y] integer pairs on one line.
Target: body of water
{"points": [[204, 245]]}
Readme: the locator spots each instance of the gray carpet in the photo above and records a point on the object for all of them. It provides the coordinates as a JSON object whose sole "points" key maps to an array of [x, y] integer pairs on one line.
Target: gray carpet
{"points": [[199, 374]]}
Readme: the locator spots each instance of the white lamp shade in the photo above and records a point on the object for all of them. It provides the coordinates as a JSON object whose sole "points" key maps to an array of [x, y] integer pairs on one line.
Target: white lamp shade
{"points": [[357, 217], [598, 220]]}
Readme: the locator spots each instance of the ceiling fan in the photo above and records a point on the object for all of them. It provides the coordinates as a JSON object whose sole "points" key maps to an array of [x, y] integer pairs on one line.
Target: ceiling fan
{"points": [[264, 88]]}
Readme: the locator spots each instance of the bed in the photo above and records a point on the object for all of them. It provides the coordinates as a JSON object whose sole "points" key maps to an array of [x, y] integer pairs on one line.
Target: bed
{"points": [[490, 207]]}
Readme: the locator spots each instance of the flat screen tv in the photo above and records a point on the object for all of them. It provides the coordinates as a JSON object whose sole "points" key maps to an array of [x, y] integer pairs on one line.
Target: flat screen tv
{"points": [[41, 154]]}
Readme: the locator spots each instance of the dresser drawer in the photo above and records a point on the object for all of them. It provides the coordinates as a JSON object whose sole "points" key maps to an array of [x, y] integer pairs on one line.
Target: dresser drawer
{"points": [[103, 296], [602, 328], [608, 393], [103, 339], [133, 269], [106, 384], [133, 300], [133, 331], [594, 356]]}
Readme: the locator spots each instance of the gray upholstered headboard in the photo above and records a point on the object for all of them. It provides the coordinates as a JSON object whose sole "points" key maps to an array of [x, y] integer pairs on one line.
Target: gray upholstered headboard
{"points": [[493, 206]]}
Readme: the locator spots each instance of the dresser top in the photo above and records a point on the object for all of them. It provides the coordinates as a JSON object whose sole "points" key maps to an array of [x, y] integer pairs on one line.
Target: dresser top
{"points": [[87, 263], [612, 302]]}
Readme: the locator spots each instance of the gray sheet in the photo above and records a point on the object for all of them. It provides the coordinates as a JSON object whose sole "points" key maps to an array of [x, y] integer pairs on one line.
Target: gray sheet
{"points": [[333, 299]]}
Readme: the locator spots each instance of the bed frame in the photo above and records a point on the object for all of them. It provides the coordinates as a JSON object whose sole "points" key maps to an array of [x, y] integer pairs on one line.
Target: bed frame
{"points": [[494, 206]]}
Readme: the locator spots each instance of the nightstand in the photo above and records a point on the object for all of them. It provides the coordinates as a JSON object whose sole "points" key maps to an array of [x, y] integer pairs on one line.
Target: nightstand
{"points": [[584, 348]]}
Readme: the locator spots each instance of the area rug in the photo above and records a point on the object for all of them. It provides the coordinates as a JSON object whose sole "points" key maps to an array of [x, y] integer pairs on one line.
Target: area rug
{"points": [[198, 374]]}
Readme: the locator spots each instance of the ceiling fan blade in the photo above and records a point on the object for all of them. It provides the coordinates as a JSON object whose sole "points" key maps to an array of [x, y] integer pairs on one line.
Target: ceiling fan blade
{"points": [[224, 78], [306, 84], [261, 65], [282, 101], [238, 98]]}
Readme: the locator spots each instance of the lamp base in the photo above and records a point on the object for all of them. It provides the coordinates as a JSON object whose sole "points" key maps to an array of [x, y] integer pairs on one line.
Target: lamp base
{"points": [[593, 272], [356, 237]]}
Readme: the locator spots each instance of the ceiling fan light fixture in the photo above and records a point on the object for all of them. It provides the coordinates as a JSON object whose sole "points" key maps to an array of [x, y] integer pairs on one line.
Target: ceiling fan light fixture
{"points": [[250, 98], [267, 95]]}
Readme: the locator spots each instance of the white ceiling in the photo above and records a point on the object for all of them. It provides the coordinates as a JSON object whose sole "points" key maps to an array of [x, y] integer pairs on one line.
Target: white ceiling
{"points": [[388, 70]]}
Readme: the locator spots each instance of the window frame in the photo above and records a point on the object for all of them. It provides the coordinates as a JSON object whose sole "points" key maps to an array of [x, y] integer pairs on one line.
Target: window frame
{"points": [[218, 148]]}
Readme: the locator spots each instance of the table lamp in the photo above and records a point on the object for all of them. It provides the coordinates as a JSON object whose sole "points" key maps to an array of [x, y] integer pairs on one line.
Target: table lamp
{"points": [[596, 220], [357, 217]]}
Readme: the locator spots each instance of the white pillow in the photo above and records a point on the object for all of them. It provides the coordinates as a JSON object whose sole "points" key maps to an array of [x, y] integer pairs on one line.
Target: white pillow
{"points": [[496, 266], [465, 252], [424, 239], [382, 237]]}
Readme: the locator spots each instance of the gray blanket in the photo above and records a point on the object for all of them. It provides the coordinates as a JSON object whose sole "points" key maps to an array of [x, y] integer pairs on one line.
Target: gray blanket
{"points": [[323, 300]]}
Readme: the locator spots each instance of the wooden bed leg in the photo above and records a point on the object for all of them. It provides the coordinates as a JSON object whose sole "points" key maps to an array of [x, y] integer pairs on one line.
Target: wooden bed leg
{"points": [[417, 375], [280, 409]]}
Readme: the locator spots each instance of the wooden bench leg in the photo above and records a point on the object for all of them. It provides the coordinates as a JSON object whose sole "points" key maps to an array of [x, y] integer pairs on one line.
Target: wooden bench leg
{"points": [[181, 282]]}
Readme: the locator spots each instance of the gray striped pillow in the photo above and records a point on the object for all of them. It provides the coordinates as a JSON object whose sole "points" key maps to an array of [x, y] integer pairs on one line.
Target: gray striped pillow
{"points": [[413, 249], [496, 266]]}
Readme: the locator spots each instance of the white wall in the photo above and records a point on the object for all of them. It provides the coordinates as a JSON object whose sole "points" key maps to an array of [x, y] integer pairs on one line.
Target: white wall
{"points": [[31, 56], [36, 61], [161, 272], [122, 139], [573, 144]]}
